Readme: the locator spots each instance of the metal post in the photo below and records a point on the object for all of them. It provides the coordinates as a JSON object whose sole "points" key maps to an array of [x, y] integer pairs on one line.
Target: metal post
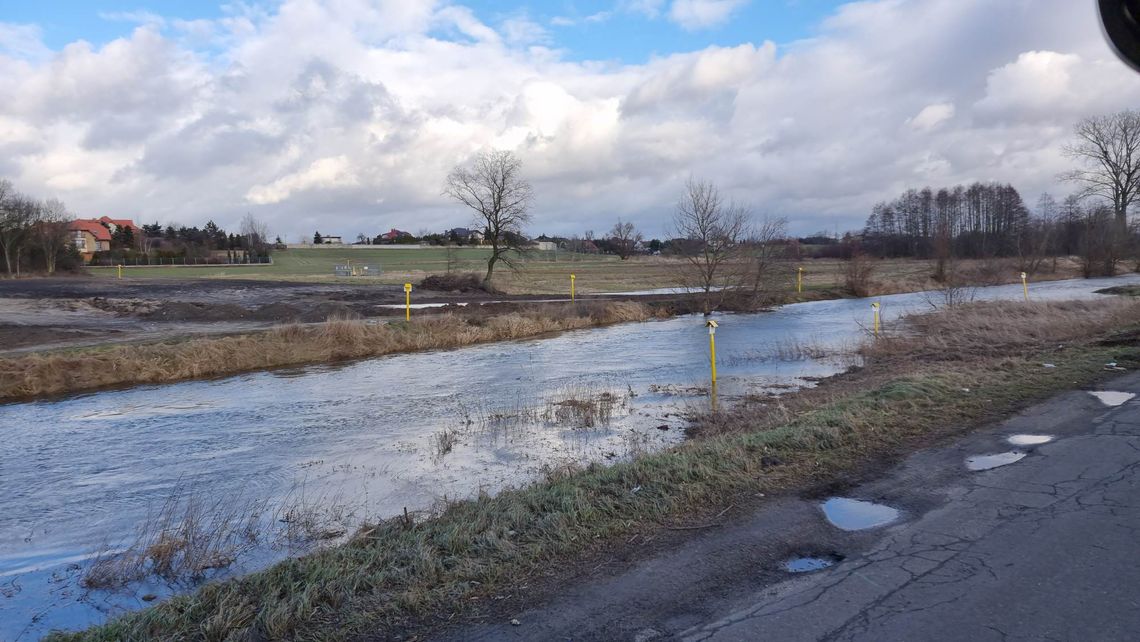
{"points": [[712, 326], [875, 308], [572, 277], [800, 281], [1025, 285], [407, 301]]}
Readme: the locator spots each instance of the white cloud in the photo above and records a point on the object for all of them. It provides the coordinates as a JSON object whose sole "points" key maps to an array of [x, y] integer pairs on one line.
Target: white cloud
{"points": [[323, 174], [702, 14], [932, 116], [521, 30], [346, 115]]}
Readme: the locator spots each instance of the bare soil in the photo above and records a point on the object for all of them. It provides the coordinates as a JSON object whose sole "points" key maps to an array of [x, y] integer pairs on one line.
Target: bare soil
{"points": [[68, 312]]}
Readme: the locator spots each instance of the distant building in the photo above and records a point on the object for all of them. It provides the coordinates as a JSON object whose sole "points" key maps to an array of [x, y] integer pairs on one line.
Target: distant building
{"points": [[114, 224], [89, 236], [546, 246], [332, 240], [393, 235], [464, 235]]}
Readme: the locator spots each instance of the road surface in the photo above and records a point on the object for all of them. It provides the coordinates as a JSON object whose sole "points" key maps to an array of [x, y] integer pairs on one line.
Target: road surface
{"points": [[1047, 548]]}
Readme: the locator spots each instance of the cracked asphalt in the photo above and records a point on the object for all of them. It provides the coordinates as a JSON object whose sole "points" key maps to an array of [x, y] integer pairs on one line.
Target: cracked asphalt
{"points": [[1047, 548]]}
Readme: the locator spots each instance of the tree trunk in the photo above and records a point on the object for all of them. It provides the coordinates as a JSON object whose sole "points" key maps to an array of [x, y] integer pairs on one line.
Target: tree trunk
{"points": [[490, 268]]}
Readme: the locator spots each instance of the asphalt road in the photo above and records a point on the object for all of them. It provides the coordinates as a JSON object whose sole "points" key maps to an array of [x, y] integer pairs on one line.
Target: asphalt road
{"points": [[1047, 548]]}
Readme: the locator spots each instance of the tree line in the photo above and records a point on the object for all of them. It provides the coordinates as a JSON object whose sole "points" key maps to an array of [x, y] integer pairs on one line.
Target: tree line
{"points": [[987, 220], [33, 233]]}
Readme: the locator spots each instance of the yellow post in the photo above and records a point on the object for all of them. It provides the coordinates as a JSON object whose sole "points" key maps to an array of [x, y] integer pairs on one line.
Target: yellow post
{"points": [[712, 326], [120, 268], [572, 277], [875, 308], [1025, 284], [407, 301], [800, 281]]}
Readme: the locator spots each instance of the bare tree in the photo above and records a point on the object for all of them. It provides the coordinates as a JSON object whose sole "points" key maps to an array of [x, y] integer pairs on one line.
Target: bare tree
{"points": [[625, 237], [766, 273], [49, 232], [17, 213], [255, 235], [1036, 237], [493, 186], [713, 230], [1107, 148]]}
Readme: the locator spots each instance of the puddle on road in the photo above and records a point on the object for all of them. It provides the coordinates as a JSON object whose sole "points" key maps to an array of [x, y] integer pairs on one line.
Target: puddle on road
{"points": [[1029, 440], [1112, 398], [986, 462], [808, 564], [856, 515]]}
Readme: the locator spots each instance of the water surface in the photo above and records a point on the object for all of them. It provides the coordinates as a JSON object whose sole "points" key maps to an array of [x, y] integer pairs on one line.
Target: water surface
{"points": [[88, 469]]}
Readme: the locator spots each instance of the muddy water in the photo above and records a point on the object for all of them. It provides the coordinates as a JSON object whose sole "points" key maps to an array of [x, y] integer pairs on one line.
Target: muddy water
{"points": [[81, 471]]}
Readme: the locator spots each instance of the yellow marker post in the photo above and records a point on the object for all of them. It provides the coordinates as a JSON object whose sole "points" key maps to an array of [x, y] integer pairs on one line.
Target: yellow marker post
{"points": [[875, 308], [800, 281], [712, 325], [407, 301], [572, 277], [1025, 284], [120, 268]]}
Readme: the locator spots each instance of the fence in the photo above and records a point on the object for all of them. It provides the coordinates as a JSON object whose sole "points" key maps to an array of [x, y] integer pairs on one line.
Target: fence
{"points": [[352, 269], [180, 261]]}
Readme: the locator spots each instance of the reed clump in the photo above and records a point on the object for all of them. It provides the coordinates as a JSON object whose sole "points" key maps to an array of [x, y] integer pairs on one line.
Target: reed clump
{"points": [[294, 345]]}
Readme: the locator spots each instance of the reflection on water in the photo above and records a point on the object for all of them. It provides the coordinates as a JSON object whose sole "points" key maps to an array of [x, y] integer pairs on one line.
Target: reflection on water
{"points": [[856, 515], [987, 462], [84, 470]]}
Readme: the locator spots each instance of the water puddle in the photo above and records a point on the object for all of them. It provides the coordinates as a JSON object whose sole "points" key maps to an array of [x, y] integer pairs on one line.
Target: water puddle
{"points": [[808, 564], [986, 462], [1029, 440], [1111, 398], [856, 515]]}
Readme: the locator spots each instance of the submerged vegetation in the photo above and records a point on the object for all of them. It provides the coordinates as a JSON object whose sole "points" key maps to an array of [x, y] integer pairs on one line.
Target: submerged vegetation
{"points": [[294, 345], [931, 377]]}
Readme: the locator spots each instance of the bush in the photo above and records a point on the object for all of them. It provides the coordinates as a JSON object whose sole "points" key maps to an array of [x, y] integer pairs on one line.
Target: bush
{"points": [[453, 282]]}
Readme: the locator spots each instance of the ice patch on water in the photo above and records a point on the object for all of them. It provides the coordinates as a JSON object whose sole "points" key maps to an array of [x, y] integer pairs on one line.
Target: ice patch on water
{"points": [[986, 462], [856, 515], [1112, 398]]}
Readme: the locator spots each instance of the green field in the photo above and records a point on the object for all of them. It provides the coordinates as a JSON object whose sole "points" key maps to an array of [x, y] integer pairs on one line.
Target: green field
{"points": [[542, 272]]}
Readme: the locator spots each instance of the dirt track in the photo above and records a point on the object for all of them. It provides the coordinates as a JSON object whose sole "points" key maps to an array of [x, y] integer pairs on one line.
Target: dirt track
{"points": [[55, 313], [67, 312]]}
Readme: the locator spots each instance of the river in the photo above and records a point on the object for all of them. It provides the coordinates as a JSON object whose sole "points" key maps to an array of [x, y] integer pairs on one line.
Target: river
{"points": [[80, 474]]}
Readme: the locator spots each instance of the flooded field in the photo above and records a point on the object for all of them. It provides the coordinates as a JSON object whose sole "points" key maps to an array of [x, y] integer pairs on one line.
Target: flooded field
{"points": [[299, 457]]}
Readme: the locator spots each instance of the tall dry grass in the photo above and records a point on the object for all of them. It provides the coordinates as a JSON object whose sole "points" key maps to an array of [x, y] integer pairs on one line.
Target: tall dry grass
{"points": [[996, 329], [293, 345]]}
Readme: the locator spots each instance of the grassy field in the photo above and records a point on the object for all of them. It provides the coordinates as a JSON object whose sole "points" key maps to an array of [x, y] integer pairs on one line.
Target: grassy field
{"points": [[549, 272]]}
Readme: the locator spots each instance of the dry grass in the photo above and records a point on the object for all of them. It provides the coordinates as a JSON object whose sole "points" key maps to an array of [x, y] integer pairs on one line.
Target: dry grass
{"points": [[439, 565], [963, 332], [180, 542], [292, 345]]}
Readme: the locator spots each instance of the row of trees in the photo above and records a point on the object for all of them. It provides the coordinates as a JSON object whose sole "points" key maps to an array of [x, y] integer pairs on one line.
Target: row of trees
{"points": [[987, 220], [33, 233]]}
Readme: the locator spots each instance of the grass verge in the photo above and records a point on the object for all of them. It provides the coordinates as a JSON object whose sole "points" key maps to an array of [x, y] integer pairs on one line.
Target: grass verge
{"points": [[292, 345], [404, 573]]}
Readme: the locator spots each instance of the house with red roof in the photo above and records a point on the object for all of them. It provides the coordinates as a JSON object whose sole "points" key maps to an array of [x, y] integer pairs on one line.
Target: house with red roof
{"points": [[90, 235]]}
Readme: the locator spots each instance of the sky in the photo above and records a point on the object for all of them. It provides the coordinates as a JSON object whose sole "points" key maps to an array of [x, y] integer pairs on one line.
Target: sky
{"points": [[346, 115]]}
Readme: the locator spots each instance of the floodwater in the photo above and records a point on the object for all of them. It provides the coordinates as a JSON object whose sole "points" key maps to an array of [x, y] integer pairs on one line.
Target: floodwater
{"points": [[1029, 440], [1111, 398], [82, 473], [987, 462], [857, 515], [809, 564]]}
